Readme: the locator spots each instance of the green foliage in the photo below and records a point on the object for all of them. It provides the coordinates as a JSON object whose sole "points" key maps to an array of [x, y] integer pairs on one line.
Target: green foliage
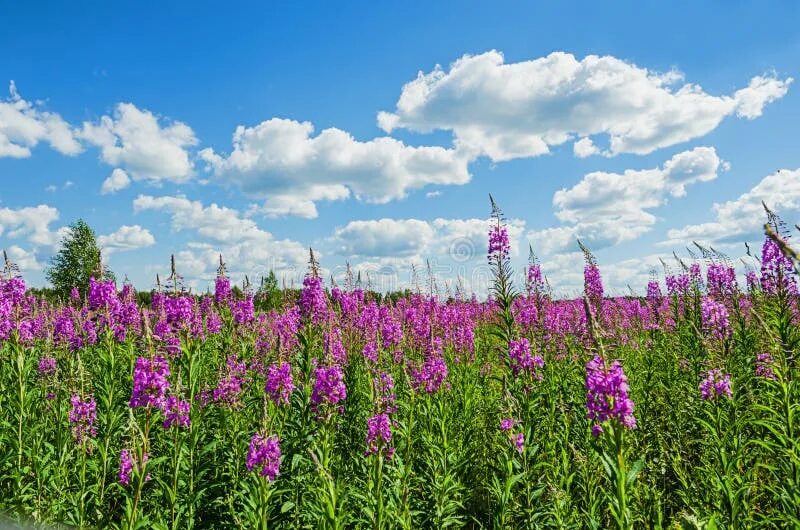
{"points": [[77, 260]]}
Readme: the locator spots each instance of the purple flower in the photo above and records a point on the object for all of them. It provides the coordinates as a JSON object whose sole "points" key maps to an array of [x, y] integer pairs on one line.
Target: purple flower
{"points": [[379, 435], [313, 304], [126, 466], [499, 244], [150, 382], [720, 279], [47, 365], [521, 360], [607, 394], [370, 352], [328, 386], [592, 282], [715, 318], [506, 424], [430, 375], [764, 364], [279, 385], [715, 384], [333, 347], [776, 269], [230, 385], [102, 295], [244, 311], [222, 290], [653, 294], [176, 412], [264, 453], [519, 442], [82, 417]]}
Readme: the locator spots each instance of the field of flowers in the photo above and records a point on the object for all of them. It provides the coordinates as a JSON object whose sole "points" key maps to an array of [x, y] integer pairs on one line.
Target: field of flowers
{"points": [[339, 410]]}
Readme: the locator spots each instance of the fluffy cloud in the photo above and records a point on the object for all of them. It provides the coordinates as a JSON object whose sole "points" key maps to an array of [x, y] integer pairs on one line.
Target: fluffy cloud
{"points": [[282, 161], [24, 259], [608, 208], [136, 141], [118, 180], [245, 247], [126, 238], [31, 223], [23, 125], [458, 240], [514, 110], [743, 219]]}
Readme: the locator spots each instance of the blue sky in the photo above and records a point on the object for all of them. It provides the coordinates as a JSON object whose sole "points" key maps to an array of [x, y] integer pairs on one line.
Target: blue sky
{"points": [[623, 126]]}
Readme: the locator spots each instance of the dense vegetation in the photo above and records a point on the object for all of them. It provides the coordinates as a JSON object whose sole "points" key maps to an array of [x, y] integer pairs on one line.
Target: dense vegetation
{"points": [[336, 411]]}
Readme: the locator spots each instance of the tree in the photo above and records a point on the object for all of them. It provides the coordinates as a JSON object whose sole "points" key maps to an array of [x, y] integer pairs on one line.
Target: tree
{"points": [[77, 261]]}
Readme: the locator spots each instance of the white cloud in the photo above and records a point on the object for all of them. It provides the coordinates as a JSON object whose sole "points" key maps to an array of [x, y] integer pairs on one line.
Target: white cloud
{"points": [[126, 238], [116, 181], [511, 110], [23, 125], [31, 223], [136, 141], [24, 259], [432, 194], [245, 247], [459, 240], [584, 148], [743, 218], [280, 160], [604, 209]]}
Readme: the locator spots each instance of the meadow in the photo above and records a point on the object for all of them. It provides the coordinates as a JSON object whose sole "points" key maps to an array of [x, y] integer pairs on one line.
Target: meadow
{"points": [[338, 408]]}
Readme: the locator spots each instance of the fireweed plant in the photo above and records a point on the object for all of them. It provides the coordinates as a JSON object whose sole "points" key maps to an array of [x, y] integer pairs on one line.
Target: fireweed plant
{"points": [[337, 407]]}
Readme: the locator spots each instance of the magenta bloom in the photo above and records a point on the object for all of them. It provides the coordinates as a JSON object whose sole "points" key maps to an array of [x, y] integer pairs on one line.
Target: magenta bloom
{"points": [[715, 319], [313, 304], [764, 363], [47, 365], [82, 417], [592, 282], [264, 453], [328, 386], [379, 435], [279, 385], [519, 442], [222, 290], [102, 294], [506, 424], [715, 385], [176, 412], [126, 466], [431, 374], [607, 394], [499, 244], [150, 382], [521, 360]]}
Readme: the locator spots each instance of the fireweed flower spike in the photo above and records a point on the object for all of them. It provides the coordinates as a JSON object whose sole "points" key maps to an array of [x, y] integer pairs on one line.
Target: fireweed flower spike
{"points": [[714, 316], [379, 435], [82, 417], [279, 384], [607, 395], [328, 387], [150, 382], [264, 455], [176, 412], [715, 384]]}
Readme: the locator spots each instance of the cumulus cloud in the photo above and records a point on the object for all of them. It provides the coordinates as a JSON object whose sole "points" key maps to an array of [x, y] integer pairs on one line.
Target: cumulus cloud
{"points": [[511, 110], [24, 259], [283, 162], [142, 144], [24, 124], [608, 208], [245, 247], [459, 240], [31, 223], [126, 238], [743, 218], [116, 181]]}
